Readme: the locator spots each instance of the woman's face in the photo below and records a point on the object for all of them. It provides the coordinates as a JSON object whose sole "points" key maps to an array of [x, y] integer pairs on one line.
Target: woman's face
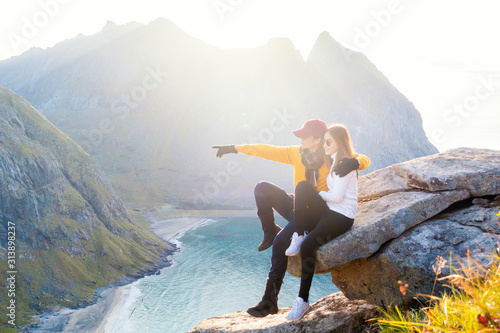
{"points": [[329, 144]]}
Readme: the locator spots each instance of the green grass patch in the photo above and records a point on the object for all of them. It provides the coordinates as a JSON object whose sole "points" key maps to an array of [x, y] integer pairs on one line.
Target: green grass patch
{"points": [[471, 305]]}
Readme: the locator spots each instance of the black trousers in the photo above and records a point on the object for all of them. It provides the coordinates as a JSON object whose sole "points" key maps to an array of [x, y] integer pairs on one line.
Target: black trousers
{"points": [[312, 214], [270, 198]]}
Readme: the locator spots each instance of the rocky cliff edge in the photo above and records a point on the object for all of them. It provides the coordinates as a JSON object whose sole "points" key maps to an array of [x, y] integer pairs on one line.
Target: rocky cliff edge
{"points": [[410, 213]]}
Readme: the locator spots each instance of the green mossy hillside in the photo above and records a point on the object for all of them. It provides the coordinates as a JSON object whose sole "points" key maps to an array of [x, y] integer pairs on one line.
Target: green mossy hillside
{"points": [[73, 234]]}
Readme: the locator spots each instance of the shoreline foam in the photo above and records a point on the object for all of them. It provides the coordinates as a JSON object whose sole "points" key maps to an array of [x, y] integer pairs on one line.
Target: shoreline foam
{"points": [[170, 228], [98, 317]]}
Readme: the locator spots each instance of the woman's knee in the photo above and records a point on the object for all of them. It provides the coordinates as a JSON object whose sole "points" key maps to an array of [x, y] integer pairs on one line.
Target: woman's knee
{"points": [[311, 244], [303, 186]]}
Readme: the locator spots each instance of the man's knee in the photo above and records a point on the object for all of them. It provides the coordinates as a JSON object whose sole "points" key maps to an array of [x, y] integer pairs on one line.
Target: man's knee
{"points": [[262, 188]]}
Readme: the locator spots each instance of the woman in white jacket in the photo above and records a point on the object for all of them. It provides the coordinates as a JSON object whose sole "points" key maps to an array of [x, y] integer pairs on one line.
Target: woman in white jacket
{"points": [[324, 215]]}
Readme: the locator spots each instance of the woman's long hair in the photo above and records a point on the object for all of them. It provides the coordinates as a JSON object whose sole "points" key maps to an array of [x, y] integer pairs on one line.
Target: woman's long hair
{"points": [[341, 135]]}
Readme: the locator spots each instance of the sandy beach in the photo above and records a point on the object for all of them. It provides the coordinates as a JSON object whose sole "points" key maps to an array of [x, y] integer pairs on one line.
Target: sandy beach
{"points": [[86, 320], [168, 229], [93, 318], [100, 317]]}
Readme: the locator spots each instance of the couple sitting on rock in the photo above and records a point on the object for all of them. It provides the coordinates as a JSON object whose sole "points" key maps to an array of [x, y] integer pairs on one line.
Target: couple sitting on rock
{"points": [[323, 207]]}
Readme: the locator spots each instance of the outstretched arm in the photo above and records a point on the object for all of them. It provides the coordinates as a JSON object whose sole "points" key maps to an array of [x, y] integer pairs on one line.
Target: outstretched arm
{"points": [[287, 154]]}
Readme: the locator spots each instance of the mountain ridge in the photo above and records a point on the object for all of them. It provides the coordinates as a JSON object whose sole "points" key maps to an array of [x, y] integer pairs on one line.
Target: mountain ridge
{"points": [[148, 101]]}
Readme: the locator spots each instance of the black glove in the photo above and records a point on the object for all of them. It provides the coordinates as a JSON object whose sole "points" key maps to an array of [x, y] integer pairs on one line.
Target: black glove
{"points": [[226, 149], [345, 166]]}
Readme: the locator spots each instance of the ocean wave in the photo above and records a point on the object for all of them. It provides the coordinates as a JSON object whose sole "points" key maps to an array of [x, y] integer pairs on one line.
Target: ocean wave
{"points": [[176, 239]]}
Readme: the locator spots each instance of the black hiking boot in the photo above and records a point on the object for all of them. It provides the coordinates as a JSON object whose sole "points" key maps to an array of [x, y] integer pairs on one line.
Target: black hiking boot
{"points": [[270, 233], [269, 303]]}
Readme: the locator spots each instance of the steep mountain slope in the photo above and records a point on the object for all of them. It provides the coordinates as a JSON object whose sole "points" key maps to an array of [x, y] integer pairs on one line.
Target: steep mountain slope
{"points": [[148, 101], [72, 234]]}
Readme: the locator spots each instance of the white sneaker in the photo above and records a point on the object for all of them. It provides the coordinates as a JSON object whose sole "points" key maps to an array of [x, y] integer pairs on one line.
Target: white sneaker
{"points": [[294, 247], [299, 309]]}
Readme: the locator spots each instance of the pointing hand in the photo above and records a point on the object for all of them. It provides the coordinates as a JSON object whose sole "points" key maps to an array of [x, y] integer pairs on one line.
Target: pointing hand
{"points": [[225, 149]]}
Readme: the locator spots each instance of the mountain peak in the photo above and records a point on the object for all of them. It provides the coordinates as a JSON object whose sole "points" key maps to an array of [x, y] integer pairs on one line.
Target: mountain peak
{"points": [[326, 40], [326, 37], [110, 25], [166, 25], [328, 47]]}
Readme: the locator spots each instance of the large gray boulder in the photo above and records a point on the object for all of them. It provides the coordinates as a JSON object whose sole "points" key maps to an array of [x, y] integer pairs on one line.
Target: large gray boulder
{"points": [[379, 221], [476, 170], [411, 257], [403, 224], [333, 313]]}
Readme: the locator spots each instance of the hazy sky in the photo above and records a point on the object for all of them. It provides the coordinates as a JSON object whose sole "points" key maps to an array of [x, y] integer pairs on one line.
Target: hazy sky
{"points": [[444, 55]]}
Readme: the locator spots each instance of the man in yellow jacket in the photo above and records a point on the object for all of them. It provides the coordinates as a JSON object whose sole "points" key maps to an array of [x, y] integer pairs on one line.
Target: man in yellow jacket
{"points": [[308, 164]]}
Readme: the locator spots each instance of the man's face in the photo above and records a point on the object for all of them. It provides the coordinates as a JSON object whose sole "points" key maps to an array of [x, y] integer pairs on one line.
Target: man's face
{"points": [[310, 142]]}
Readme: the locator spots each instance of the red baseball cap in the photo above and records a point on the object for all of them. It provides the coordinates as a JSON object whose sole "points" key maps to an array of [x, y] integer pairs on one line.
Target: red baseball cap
{"points": [[314, 127]]}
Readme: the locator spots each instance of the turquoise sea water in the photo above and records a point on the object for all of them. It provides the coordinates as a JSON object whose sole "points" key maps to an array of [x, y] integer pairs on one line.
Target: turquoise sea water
{"points": [[217, 271]]}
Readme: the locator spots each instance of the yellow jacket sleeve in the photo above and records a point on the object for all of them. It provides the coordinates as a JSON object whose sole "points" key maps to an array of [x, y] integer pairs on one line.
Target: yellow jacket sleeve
{"points": [[364, 161], [287, 155]]}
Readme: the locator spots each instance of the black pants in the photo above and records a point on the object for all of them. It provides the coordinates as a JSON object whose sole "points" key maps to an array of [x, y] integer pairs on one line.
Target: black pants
{"points": [[312, 214], [268, 198]]}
